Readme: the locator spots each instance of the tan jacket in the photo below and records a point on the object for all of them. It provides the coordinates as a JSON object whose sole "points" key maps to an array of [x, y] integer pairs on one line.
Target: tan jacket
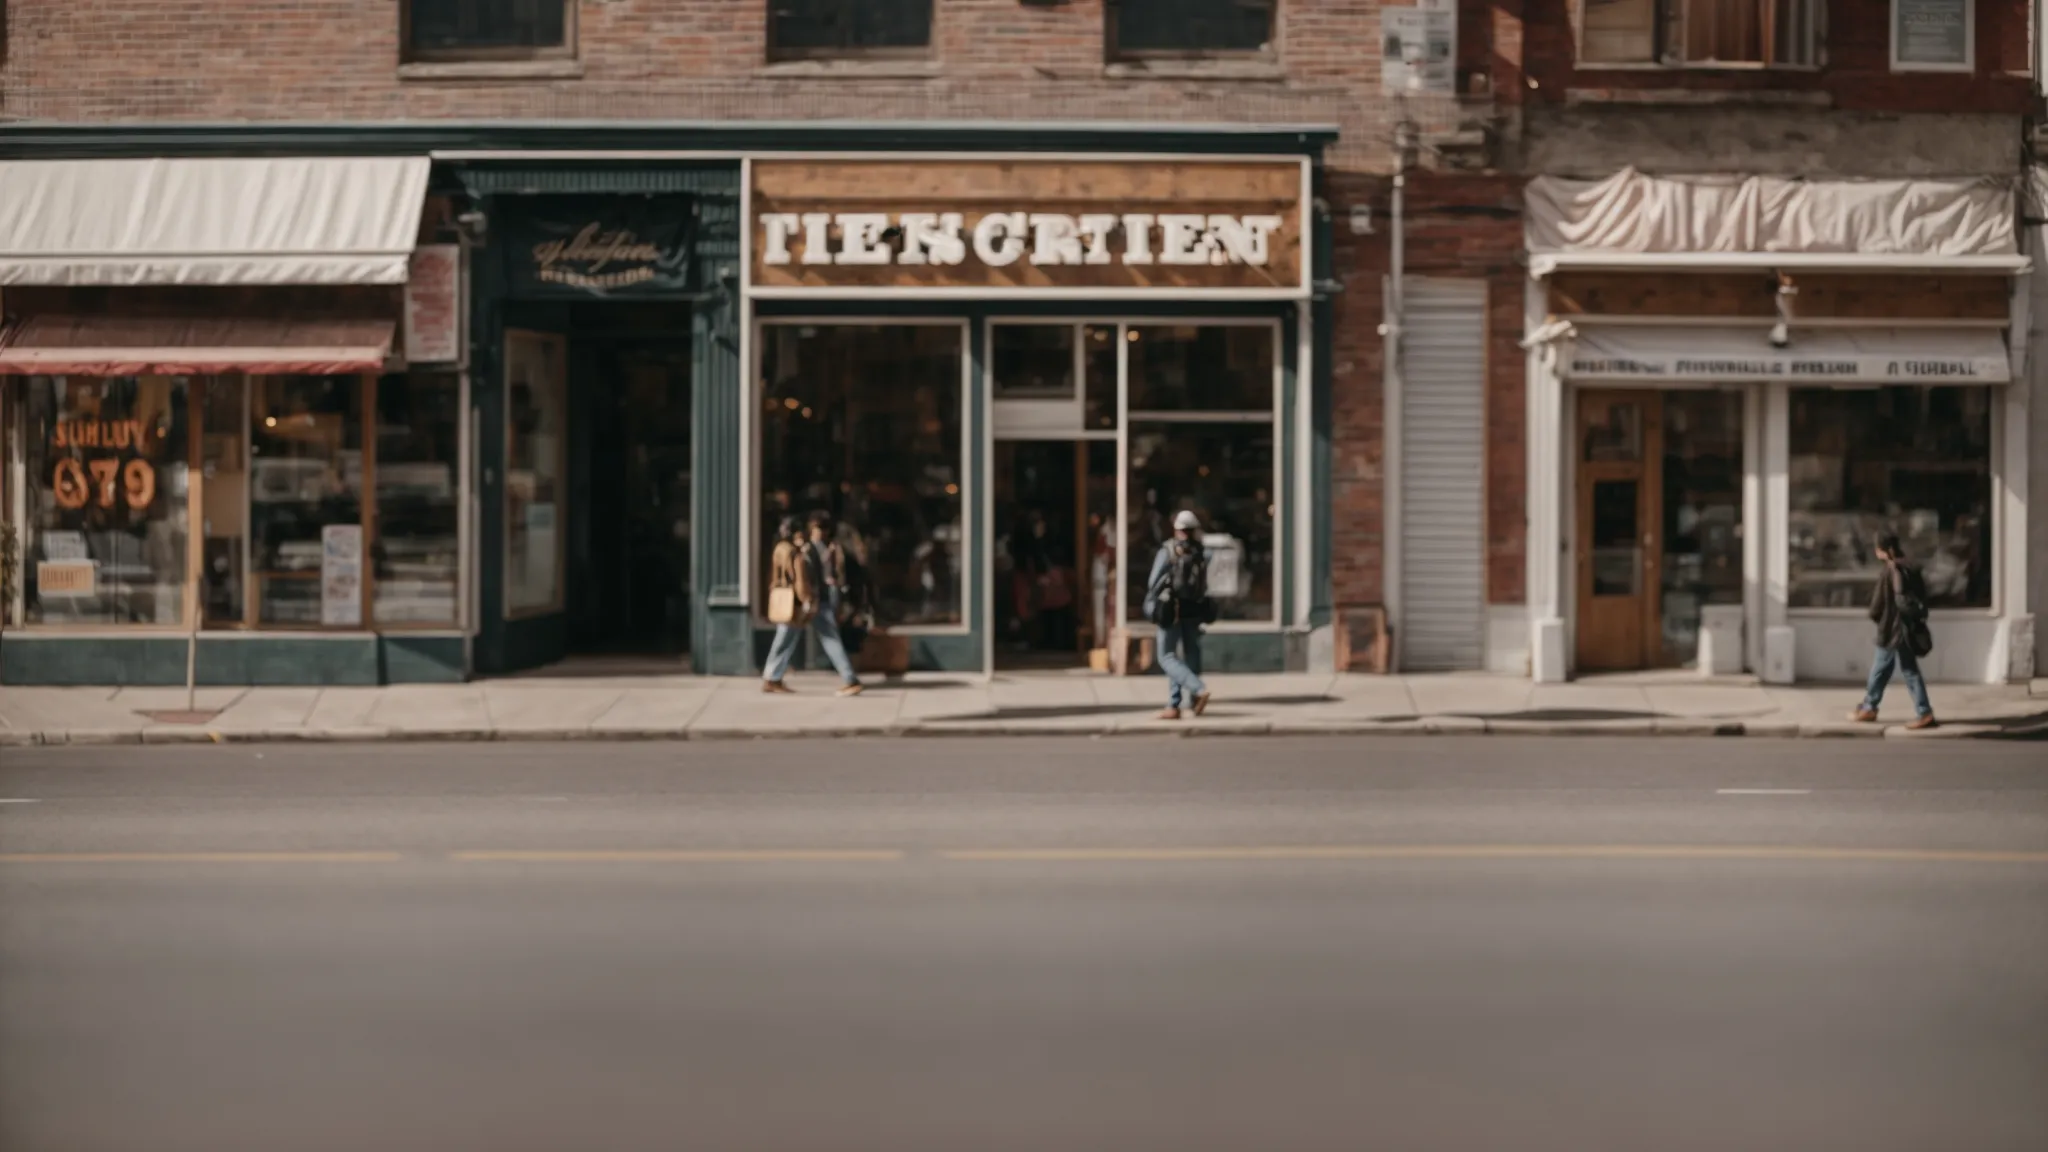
{"points": [[786, 569]]}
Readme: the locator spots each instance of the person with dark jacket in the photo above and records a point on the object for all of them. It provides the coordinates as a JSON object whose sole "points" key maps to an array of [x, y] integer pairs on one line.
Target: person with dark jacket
{"points": [[1180, 622], [1899, 593]]}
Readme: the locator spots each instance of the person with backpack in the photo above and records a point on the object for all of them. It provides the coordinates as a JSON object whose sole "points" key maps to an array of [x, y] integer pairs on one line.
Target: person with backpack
{"points": [[1898, 606], [1177, 600]]}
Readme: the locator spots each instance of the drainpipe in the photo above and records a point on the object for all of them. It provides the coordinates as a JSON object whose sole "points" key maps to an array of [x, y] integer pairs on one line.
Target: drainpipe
{"points": [[1392, 358]]}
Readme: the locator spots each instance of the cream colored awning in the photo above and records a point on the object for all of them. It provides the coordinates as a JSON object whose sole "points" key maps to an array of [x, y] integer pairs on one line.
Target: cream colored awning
{"points": [[305, 220], [1815, 357]]}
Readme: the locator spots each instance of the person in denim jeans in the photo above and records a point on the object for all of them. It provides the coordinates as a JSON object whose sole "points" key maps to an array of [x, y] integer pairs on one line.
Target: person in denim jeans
{"points": [[1894, 645], [1180, 624], [819, 581]]}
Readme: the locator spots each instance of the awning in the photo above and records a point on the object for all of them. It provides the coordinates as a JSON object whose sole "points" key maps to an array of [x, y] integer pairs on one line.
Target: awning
{"points": [[325, 220], [142, 346], [1816, 356], [1631, 212], [1543, 264]]}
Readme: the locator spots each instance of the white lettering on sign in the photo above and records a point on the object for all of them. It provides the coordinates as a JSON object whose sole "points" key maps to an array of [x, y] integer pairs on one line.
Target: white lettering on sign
{"points": [[1000, 239]]}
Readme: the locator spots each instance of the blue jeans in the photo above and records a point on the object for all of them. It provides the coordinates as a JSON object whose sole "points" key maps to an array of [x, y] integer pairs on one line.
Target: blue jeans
{"points": [[1180, 657], [783, 649], [1881, 674]]}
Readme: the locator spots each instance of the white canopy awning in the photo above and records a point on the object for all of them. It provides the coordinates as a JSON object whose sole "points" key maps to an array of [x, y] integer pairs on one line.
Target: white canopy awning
{"points": [[324, 220], [1632, 213], [1818, 357]]}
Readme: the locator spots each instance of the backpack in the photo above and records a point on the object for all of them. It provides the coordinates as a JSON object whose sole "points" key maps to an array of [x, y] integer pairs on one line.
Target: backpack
{"points": [[1185, 596], [1910, 597]]}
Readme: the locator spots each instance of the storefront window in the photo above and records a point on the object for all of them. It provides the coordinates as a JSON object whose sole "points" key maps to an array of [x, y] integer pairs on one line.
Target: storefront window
{"points": [[535, 472], [106, 490], [1033, 361], [1202, 438], [1702, 514], [417, 552], [1911, 460], [864, 422], [306, 499], [224, 494], [1191, 369]]}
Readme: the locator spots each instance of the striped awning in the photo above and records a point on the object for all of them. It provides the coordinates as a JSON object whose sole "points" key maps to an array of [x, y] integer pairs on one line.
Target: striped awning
{"points": [[153, 346]]}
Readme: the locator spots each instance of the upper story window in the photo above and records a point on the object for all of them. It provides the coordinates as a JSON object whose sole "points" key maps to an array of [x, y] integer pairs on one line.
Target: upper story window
{"points": [[1190, 28], [824, 29], [488, 29], [1698, 33]]}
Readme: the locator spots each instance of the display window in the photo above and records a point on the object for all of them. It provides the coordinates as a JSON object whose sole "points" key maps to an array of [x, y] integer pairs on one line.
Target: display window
{"points": [[1202, 436], [106, 483], [864, 422], [265, 502], [1911, 460]]}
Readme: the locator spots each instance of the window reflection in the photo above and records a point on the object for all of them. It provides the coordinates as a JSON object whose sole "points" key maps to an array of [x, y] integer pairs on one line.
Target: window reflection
{"points": [[417, 551], [864, 422], [536, 463], [106, 489], [1702, 514], [1912, 460], [1224, 474], [306, 474]]}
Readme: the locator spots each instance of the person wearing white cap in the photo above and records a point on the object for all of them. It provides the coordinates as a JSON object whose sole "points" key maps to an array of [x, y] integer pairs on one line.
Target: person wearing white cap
{"points": [[1177, 600]]}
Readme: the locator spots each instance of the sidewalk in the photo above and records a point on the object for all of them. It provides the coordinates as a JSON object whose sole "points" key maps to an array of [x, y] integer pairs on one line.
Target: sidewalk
{"points": [[678, 708]]}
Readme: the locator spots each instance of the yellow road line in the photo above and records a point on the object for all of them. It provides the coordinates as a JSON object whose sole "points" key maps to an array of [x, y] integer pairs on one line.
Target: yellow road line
{"points": [[1491, 852], [200, 857], [683, 856]]}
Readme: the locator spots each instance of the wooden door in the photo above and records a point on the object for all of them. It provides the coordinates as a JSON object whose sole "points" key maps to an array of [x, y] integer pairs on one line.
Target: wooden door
{"points": [[1619, 521]]}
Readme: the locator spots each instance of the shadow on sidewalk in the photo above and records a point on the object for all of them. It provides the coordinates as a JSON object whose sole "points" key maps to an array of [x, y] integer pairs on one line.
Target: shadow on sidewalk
{"points": [[2031, 727], [1236, 705], [1555, 715]]}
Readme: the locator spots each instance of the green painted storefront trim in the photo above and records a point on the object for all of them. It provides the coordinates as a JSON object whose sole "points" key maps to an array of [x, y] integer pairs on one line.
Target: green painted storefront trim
{"points": [[32, 140], [231, 659]]}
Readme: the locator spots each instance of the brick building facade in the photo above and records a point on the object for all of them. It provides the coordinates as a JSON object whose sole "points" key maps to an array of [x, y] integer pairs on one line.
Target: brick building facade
{"points": [[1529, 103]]}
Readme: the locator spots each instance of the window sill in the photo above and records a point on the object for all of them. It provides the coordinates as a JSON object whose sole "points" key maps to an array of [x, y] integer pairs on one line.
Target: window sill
{"points": [[849, 69], [1260, 69], [1695, 98], [441, 70]]}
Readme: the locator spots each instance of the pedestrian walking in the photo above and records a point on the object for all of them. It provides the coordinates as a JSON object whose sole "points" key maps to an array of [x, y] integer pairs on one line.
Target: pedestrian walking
{"points": [[1898, 606], [1177, 600], [806, 575]]}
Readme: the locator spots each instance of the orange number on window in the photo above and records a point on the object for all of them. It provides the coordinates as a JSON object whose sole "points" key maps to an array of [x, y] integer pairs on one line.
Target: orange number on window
{"points": [[69, 485], [103, 472], [139, 480]]}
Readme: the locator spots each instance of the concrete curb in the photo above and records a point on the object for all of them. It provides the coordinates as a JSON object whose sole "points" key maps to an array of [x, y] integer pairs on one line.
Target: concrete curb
{"points": [[1667, 726]]}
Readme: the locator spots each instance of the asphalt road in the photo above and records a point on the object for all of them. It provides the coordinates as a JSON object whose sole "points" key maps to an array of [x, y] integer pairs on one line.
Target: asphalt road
{"points": [[1121, 945]]}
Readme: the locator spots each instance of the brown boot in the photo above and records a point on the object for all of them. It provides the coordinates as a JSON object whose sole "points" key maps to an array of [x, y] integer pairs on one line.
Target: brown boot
{"points": [[776, 688], [1863, 716], [1923, 724], [1201, 703], [1170, 714]]}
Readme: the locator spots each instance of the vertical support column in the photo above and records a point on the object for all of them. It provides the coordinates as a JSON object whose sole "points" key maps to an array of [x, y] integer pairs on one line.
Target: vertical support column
{"points": [[1753, 584], [1549, 661], [722, 636], [1780, 641], [2015, 650]]}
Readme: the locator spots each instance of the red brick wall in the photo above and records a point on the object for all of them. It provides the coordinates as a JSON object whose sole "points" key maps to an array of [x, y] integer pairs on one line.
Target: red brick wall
{"points": [[1857, 73], [1459, 226], [99, 60]]}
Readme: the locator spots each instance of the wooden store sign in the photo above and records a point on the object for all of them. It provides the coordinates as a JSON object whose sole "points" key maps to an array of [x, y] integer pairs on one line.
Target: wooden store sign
{"points": [[1022, 226]]}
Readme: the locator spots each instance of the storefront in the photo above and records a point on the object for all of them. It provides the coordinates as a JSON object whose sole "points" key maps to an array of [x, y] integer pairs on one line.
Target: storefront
{"points": [[982, 367], [1736, 386], [509, 396], [231, 405]]}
